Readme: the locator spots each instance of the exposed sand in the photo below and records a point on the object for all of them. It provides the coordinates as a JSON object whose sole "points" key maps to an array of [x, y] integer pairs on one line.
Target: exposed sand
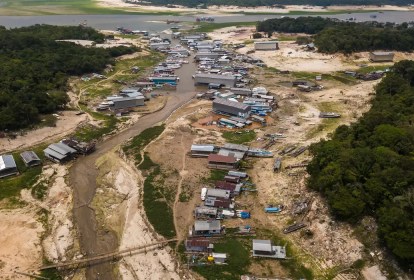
{"points": [[262, 9], [22, 232], [119, 198], [66, 124], [293, 57]]}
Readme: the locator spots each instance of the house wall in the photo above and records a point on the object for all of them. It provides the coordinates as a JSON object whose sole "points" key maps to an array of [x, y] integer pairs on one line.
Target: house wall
{"points": [[267, 46]]}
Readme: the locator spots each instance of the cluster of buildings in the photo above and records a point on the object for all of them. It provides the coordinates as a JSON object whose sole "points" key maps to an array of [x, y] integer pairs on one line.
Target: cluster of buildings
{"points": [[8, 166], [67, 149], [126, 99], [219, 202]]}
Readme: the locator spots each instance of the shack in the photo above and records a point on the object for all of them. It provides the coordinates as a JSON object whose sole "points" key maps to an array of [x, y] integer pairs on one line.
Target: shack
{"points": [[222, 162], [8, 166], [59, 152], [201, 150], [265, 249], [199, 245], [30, 158], [381, 56], [219, 203], [232, 108], [241, 91], [219, 258], [205, 79], [266, 45], [207, 212], [206, 228]]}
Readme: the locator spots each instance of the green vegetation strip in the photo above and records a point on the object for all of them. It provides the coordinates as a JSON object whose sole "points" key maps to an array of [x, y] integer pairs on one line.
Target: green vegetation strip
{"points": [[239, 137], [156, 197], [209, 27]]}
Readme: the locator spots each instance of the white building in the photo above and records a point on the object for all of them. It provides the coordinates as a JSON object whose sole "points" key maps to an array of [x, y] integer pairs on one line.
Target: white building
{"points": [[266, 45]]}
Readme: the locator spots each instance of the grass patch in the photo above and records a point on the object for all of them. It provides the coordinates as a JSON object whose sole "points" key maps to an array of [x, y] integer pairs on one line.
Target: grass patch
{"points": [[158, 212], [209, 27], [11, 186], [340, 77], [138, 143], [89, 133], [239, 137], [56, 7], [238, 261], [215, 175], [368, 69]]}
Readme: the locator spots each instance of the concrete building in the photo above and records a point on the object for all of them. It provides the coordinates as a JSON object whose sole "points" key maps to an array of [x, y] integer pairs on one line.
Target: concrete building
{"points": [[265, 249], [59, 152], [30, 158], [381, 56], [205, 228], [221, 162], [8, 166], [224, 80], [200, 150], [199, 245], [126, 102], [266, 45], [232, 108]]}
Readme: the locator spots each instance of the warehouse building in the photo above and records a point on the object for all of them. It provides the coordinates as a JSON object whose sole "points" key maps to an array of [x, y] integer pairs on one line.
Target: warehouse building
{"points": [[266, 45], [202, 150], [232, 108], [8, 166], [59, 152], [126, 102], [223, 80], [30, 158], [381, 56]]}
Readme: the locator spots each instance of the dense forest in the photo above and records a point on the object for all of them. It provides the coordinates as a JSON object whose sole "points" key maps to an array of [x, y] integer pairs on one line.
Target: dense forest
{"points": [[368, 167], [254, 3], [34, 69], [332, 36]]}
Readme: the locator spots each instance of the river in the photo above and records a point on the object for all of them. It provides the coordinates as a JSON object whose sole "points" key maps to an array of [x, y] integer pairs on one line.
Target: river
{"points": [[156, 23]]}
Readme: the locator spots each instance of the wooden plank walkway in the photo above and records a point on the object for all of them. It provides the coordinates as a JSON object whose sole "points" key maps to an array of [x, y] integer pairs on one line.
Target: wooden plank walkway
{"points": [[108, 256]]}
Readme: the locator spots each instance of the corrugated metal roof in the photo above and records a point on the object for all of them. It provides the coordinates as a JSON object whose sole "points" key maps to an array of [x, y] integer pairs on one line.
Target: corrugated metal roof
{"points": [[202, 148], [7, 161], [65, 147], [29, 156], [226, 102], [207, 225], [215, 76], [262, 245], [53, 154], [266, 42], [236, 147], [197, 242], [218, 193], [219, 255], [222, 159]]}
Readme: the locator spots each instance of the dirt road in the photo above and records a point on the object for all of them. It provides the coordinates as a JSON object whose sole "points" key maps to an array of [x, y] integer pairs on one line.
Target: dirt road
{"points": [[93, 238]]}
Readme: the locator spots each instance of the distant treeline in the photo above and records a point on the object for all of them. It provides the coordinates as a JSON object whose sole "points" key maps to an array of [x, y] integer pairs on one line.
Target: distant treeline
{"points": [[34, 69], [255, 3], [367, 169], [332, 36]]}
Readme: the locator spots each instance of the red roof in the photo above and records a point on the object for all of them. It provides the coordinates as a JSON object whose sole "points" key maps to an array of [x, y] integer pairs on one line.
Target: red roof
{"points": [[225, 185], [223, 159]]}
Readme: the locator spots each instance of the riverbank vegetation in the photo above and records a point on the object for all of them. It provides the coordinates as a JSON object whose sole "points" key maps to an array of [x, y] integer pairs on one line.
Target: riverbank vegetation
{"points": [[34, 69], [331, 36], [367, 168]]}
